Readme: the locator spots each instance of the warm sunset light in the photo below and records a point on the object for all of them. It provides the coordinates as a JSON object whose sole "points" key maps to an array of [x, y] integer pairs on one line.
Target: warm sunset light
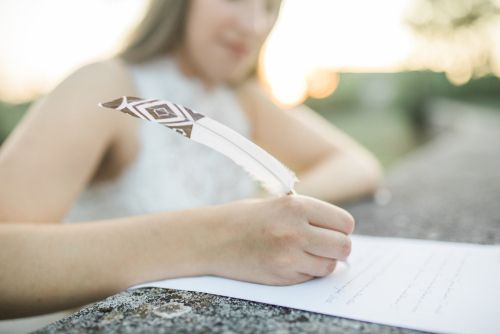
{"points": [[312, 41], [44, 40], [330, 37], [322, 83]]}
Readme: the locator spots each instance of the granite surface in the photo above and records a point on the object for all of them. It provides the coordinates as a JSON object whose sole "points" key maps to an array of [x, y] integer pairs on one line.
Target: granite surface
{"points": [[447, 190]]}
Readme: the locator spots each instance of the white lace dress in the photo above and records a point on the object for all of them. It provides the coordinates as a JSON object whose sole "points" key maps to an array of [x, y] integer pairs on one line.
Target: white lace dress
{"points": [[171, 172]]}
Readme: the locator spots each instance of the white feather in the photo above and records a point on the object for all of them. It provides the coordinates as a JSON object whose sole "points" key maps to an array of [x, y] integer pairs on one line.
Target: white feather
{"points": [[272, 174]]}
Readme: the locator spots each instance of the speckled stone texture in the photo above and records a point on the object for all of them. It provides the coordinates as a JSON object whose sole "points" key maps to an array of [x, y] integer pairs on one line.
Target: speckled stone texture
{"points": [[447, 190]]}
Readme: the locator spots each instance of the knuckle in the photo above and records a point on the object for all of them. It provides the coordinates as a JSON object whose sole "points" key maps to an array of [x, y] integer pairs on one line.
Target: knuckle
{"points": [[328, 267], [302, 241], [282, 262], [286, 237], [299, 278], [349, 222], [346, 245], [292, 204]]}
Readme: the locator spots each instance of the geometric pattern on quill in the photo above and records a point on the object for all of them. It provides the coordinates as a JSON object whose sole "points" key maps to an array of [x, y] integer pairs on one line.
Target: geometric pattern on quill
{"points": [[269, 171], [174, 116]]}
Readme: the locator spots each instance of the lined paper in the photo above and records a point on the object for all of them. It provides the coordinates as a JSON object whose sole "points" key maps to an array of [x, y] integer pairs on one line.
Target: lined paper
{"points": [[419, 284]]}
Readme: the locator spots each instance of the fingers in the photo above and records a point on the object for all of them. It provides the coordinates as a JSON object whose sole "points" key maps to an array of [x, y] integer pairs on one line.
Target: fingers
{"points": [[317, 266], [302, 277], [327, 243], [329, 216]]}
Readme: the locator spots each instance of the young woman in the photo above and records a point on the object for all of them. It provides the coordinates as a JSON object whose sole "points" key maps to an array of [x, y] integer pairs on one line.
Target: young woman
{"points": [[153, 205]]}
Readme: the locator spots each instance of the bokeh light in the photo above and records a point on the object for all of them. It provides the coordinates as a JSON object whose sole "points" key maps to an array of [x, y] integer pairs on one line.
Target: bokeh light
{"points": [[313, 41], [43, 41]]}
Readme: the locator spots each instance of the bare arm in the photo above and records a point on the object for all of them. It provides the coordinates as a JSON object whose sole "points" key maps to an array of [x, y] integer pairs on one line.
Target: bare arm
{"points": [[56, 148], [54, 267], [277, 241], [346, 172], [44, 164], [330, 165], [51, 156]]}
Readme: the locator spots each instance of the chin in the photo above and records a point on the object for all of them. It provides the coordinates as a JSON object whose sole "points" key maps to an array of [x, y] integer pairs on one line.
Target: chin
{"points": [[223, 74], [222, 69], [223, 66]]}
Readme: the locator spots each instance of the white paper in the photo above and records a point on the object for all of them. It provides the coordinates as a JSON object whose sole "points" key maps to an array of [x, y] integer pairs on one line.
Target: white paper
{"points": [[425, 285]]}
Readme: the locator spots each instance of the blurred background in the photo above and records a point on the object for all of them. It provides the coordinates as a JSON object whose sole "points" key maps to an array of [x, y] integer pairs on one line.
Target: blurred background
{"points": [[376, 69]]}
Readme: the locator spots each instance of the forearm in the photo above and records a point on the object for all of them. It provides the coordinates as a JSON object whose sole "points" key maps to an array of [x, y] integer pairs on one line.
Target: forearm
{"points": [[53, 267], [340, 177]]}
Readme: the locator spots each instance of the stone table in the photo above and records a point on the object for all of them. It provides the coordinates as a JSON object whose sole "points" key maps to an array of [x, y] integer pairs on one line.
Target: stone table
{"points": [[447, 190]]}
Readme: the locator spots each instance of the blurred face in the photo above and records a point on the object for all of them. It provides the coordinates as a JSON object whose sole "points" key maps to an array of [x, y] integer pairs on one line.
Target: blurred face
{"points": [[223, 37]]}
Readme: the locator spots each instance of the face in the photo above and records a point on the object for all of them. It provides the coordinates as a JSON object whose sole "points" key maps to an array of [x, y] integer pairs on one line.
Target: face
{"points": [[223, 37]]}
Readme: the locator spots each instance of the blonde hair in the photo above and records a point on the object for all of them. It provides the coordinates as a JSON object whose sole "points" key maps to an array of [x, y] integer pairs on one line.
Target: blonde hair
{"points": [[159, 32]]}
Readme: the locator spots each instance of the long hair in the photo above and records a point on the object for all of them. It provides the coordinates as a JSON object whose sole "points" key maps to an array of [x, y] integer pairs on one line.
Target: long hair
{"points": [[159, 32]]}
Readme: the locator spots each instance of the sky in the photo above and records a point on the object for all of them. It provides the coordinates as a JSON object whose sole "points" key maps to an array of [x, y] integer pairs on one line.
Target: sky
{"points": [[45, 40], [314, 36]]}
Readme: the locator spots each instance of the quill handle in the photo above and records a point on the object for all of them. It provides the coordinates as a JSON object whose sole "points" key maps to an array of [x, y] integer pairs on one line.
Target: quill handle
{"points": [[273, 175]]}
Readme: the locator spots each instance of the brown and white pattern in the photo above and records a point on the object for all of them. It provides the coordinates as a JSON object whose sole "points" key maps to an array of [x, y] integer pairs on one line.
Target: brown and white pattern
{"points": [[174, 116], [273, 175]]}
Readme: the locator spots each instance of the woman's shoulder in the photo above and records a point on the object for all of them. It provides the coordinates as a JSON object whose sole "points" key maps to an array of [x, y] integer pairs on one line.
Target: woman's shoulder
{"points": [[107, 75], [255, 101], [253, 94], [247, 94], [113, 79], [83, 89]]}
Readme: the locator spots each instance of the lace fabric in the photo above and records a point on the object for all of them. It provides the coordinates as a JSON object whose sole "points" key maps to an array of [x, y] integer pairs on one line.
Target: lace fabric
{"points": [[171, 172]]}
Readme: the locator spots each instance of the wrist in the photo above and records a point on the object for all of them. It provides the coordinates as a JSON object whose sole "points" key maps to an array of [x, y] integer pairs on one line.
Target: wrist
{"points": [[203, 236], [171, 244], [226, 233], [205, 240], [214, 234]]}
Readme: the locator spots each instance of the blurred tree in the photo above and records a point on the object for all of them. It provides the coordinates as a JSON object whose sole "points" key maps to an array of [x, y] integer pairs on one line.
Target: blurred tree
{"points": [[10, 115], [460, 36]]}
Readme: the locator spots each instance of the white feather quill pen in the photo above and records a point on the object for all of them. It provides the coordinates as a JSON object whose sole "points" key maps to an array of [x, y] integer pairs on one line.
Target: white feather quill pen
{"points": [[269, 171]]}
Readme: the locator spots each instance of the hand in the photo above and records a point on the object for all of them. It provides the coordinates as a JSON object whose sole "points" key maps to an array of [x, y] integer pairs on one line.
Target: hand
{"points": [[280, 240]]}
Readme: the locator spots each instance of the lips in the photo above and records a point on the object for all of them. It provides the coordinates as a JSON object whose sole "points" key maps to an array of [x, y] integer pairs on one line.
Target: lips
{"points": [[238, 49]]}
